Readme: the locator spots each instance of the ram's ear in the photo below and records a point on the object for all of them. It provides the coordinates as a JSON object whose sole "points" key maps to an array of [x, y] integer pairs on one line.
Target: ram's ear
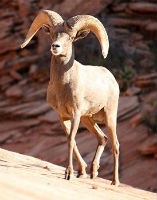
{"points": [[82, 34], [46, 28]]}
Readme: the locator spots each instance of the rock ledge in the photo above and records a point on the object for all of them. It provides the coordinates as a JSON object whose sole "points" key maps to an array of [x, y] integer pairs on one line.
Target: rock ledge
{"points": [[24, 177]]}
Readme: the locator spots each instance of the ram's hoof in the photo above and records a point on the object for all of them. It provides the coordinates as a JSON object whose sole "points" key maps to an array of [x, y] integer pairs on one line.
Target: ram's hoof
{"points": [[94, 175], [116, 183], [69, 174]]}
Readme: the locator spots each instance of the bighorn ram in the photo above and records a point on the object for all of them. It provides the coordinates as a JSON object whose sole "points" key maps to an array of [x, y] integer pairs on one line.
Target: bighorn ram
{"points": [[77, 92]]}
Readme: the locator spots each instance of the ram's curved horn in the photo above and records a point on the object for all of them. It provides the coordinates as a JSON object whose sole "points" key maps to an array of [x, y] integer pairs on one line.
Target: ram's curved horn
{"points": [[45, 17], [79, 22]]}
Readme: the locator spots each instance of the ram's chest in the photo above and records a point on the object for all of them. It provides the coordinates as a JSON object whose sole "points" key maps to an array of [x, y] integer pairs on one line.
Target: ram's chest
{"points": [[61, 98]]}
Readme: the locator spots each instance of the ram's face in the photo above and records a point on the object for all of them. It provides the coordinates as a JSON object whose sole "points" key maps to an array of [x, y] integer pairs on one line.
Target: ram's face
{"points": [[61, 42]]}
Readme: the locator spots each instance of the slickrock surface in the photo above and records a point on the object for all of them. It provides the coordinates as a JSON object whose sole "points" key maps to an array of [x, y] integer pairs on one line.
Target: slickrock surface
{"points": [[28, 178]]}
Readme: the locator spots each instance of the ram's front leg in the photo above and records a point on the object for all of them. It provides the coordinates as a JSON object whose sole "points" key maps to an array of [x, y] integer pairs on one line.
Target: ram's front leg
{"points": [[71, 141]]}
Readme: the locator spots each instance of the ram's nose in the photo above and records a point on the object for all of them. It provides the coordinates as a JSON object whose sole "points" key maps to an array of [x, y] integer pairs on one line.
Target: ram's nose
{"points": [[56, 49], [55, 46]]}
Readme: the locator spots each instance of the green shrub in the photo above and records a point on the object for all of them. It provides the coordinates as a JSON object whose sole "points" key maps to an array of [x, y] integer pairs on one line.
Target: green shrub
{"points": [[125, 76]]}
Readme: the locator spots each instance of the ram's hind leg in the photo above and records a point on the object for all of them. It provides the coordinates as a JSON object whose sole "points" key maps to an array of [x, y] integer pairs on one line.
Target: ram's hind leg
{"points": [[111, 123], [90, 124], [66, 124]]}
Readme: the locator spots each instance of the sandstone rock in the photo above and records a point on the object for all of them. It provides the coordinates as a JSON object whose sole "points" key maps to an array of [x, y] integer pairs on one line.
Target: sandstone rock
{"points": [[149, 76], [121, 31], [36, 94], [23, 82], [128, 106], [133, 91], [146, 63], [14, 92], [146, 83], [49, 4], [150, 150], [150, 97], [24, 7], [2, 64], [29, 109], [142, 45], [151, 27], [50, 117], [143, 7], [10, 125], [135, 120], [5, 25], [33, 69], [121, 22], [4, 80], [145, 53], [136, 37], [21, 63], [149, 147], [7, 136], [119, 7], [6, 13], [39, 109], [19, 15], [81, 7], [15, 75], [147, 108], [4, 103], [39, 147], [9, 43], [46, 181]]}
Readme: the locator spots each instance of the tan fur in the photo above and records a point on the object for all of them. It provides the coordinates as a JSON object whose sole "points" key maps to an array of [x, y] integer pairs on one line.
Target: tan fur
{"points": [[80, 92]]}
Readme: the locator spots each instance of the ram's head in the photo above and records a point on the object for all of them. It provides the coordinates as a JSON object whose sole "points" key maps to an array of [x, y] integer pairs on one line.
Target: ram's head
{"points": [[63, 33]]}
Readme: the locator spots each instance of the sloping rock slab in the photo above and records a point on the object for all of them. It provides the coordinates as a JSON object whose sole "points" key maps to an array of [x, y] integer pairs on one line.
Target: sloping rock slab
{"points": [[24, 177]]}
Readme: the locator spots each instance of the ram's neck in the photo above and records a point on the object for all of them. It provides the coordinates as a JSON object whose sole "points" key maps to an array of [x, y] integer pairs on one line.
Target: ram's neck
{"points": [[62, 66]]}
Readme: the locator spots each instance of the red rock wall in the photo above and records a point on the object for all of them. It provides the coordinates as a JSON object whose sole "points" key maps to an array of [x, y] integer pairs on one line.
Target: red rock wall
{"points": [[17, 15], [131, 27]]}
